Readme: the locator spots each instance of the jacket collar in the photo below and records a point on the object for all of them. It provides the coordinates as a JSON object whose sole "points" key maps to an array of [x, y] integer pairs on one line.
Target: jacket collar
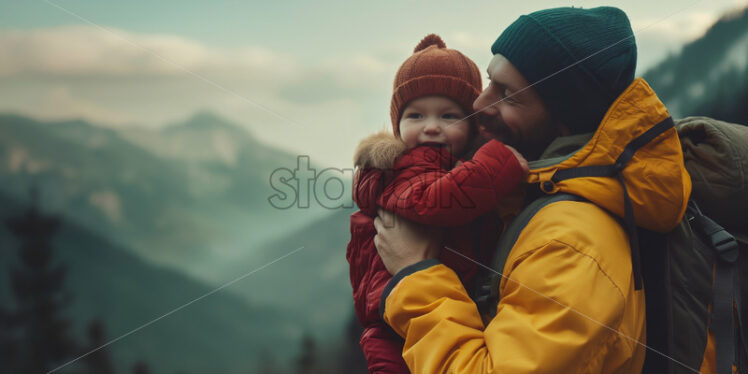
{"points": [[656, 178]]}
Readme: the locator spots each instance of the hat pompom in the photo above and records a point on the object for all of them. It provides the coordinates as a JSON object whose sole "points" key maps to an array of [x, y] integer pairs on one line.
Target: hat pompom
{"points": [[429, 40]]}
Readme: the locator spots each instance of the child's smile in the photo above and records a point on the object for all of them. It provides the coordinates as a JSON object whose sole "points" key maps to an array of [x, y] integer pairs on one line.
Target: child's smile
{"points": [[435, 120]]}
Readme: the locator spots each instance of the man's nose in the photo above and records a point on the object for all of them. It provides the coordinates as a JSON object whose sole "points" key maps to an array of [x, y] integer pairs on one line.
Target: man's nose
{"points": [[485, 104]]}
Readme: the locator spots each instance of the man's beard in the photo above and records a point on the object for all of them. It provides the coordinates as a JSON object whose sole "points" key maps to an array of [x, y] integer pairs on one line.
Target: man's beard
{"points": [[498, 130], [530, 147]]}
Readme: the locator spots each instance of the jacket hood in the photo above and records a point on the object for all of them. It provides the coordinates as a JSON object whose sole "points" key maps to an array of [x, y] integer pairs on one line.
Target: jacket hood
{"points": [[656, 178], [378, 151], [381, 156], [374, 160]]}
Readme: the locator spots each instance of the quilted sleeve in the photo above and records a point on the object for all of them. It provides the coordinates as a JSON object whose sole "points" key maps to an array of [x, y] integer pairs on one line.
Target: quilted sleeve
{"points": [[452, 198]]}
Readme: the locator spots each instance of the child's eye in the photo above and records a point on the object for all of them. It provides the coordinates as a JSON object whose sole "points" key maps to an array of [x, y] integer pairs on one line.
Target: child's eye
{"points": [[454, 116], [413, 115]]}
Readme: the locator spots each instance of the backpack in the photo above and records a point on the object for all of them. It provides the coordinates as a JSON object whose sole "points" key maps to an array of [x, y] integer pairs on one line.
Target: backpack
{"points": [[696, 275]]}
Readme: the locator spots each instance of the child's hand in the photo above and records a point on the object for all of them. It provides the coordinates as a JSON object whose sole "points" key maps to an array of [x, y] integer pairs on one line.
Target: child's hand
{"points": [[522, 161], [485, 151]]}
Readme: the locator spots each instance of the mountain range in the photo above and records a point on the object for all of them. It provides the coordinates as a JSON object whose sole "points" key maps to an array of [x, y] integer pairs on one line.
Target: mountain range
{"points": [[155, 218], [188, 195], [217, 333], [709, 76]]}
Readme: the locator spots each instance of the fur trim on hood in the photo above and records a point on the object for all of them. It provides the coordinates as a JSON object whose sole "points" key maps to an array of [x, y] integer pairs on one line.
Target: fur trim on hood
{"points": [[379, 151]]}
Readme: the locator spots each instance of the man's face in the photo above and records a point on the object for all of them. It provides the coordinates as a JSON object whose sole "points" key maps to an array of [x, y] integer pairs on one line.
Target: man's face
{"points": [[512, 112]]}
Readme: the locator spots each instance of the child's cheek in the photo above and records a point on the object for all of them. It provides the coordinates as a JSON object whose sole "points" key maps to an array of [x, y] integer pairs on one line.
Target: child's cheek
{"points": [[409, 136]]}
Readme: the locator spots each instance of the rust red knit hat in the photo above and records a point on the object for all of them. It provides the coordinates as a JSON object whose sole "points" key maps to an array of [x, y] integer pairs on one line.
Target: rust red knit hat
{"points": [[434, 69]]}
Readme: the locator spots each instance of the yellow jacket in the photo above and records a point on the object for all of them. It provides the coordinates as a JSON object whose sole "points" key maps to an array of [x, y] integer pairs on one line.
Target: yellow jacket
{"points": [[568, 301]]}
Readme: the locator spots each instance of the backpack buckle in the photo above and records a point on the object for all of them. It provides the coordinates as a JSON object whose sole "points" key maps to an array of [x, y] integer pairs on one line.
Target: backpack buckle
{"points": [[483, 295], [484, 298], [725, 245]]}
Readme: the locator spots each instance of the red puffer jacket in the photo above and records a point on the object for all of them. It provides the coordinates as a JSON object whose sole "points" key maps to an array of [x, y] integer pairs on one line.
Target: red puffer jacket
{"points": [[423, 186]]}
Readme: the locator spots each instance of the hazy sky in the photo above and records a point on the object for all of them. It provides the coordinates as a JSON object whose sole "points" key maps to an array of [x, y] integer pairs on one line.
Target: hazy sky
{"points": [[311, 77]]}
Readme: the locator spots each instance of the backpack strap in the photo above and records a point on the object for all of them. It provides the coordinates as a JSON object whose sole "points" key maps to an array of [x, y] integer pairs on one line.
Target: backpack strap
{"points": [[487, 295], [726, 251], [740, 343], [616, 170], [740, 291]]}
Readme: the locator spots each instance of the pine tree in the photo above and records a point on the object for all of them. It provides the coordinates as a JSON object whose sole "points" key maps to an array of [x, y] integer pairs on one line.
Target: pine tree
{"points": [[140, 367], [268, 364], [307, 363], [98, 361], [8, 343], [352, 359], [37, 287]]}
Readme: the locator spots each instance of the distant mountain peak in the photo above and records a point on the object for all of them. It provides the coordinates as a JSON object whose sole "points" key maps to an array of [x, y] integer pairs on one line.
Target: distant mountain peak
{"points": [[75, 122], [24, 119], [206, 120]]}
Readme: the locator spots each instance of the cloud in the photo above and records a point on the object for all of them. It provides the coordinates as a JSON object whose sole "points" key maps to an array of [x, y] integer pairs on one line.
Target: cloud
{"points": [[87, 51], [58, 103], [357, 77], [108, 202], [92, 50], [19, 160], [678, 30], [118, 78], [463, 40]]}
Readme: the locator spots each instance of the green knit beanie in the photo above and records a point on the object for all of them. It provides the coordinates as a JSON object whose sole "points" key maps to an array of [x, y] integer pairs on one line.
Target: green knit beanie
{"points": [[578, 60]]}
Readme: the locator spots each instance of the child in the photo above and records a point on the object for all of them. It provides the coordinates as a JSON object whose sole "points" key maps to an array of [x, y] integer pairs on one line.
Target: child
{"points": [[414, 175]]}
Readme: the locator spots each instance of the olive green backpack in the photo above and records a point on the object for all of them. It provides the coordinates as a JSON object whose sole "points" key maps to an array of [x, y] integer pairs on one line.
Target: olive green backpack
{"points": [[701, 264]]}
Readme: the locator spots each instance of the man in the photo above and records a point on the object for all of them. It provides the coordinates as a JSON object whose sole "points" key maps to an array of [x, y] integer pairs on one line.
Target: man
{"points": [[562, 92]]}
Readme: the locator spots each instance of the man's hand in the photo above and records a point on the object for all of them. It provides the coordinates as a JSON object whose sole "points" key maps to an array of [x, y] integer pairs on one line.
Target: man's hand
{"points": [[401, 243]]}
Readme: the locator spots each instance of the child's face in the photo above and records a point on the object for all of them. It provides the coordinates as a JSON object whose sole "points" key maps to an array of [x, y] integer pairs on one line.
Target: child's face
{"points": [[435, 119]]}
